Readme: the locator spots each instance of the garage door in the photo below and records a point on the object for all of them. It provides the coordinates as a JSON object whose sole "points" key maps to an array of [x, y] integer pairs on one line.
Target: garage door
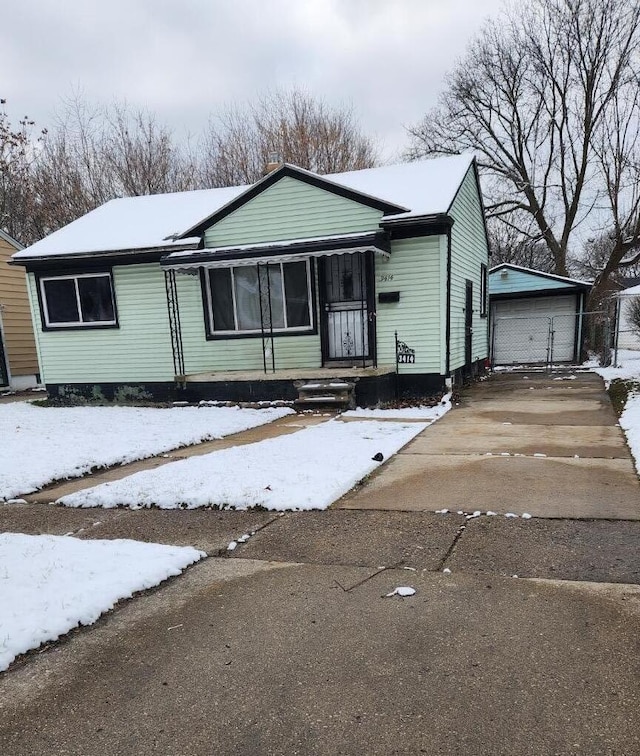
{"points": [[525, 329]]}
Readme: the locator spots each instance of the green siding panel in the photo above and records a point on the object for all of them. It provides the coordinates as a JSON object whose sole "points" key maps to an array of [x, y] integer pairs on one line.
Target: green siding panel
{"points": [[468, 252], [508, 281], [291, 209], [414, 269], [220, 355], [139, 350]]}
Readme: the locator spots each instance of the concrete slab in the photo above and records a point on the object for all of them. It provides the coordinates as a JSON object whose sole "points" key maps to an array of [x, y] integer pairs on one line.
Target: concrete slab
{"points": [[600, 550], [524, 411], [415, 539], [286, 662], [204, 529], [35, 519], [604, 441], [544, 487]]}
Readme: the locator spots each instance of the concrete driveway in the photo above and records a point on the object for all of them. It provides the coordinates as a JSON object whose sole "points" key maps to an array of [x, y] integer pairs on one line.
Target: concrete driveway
{"points": [[546, 445]]}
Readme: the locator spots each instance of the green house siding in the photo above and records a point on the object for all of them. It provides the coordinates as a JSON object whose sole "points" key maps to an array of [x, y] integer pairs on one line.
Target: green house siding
{"points": [[468, 252], [139, 350], [220, 355], [414, 269], [291, 209], [508, 281]]}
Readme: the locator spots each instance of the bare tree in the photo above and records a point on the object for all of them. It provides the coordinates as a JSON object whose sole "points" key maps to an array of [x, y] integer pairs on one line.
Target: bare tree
{"points": [[633, 315], [17, 152], [92, 155], [297, 127], [535, 97], [509, 246]]}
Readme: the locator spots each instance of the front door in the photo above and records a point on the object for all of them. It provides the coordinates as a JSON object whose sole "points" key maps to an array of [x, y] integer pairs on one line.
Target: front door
{"points": [[346, 307]]}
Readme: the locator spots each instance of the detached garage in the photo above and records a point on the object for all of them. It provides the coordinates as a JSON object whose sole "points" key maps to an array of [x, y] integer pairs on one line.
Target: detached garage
{"points": [[535, 316]]}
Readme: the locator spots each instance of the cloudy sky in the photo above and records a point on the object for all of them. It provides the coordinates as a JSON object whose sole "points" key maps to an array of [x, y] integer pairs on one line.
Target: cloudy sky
{"points": [[185, 59]]}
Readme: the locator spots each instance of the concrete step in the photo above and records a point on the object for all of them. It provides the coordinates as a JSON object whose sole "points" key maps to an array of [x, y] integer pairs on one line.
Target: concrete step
{"points": [[327, 392]]}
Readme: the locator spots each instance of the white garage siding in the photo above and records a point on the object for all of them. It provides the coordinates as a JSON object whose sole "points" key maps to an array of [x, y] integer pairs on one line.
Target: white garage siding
{"points": [[525, 330]]}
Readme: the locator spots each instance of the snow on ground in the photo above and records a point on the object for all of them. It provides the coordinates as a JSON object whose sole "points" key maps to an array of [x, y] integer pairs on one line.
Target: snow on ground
{"points": [[630, 423], [428, 414], [628, 369], [308, 469], [51, 584], [43, 444]]}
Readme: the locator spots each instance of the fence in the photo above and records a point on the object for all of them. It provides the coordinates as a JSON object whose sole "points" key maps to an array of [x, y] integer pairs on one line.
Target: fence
{"points": [[545, 341]]}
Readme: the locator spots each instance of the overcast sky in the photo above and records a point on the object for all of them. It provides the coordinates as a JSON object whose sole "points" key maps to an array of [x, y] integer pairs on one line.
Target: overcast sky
{"points": [[185, 59]]}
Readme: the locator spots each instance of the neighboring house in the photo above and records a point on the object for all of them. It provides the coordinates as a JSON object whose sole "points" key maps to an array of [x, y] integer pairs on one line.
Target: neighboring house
{"points": [[18, 358], [236, 293], [628, 337], [536, 317]]}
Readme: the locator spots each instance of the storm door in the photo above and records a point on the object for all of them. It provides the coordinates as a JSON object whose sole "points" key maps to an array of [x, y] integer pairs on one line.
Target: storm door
{"points": [[346, 307]]}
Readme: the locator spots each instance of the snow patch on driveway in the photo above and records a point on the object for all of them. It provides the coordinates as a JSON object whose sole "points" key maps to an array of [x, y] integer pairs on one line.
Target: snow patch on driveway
{"points": [[428, 414], [51, 584], [43, 444], [308, 469]]}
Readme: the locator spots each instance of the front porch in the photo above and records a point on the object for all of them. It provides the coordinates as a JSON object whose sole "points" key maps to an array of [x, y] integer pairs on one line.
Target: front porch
{"points": [[372, 385]]}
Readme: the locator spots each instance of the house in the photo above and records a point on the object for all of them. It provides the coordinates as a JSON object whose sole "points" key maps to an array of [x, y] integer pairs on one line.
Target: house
{"points": [[18, 358], [375, 277], [627, 336], [536, 317]]}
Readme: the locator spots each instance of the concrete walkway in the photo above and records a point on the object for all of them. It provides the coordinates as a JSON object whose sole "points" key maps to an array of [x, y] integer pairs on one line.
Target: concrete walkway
{"points": [[281, 427], [546, 445], [291, 646]]}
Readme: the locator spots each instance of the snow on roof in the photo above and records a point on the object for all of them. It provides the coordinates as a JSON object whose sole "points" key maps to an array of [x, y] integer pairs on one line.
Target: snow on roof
{"points": [[632, 291], [424, 187], [138, 223], [540, 273]]}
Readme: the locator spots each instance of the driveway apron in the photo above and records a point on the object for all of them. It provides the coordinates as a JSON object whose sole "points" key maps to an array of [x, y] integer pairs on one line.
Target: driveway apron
{"points": [[547, 445]]}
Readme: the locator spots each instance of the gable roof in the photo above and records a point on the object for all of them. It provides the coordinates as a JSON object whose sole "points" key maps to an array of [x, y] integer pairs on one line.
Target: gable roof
{"points": [[169, 222], [10, 240], [541, 274]]}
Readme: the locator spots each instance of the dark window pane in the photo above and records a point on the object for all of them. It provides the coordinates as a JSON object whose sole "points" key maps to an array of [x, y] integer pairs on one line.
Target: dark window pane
{"points": [[297, 294], [96, 301], [273, 290], [61, 303], [221, 299], [248, 298]]}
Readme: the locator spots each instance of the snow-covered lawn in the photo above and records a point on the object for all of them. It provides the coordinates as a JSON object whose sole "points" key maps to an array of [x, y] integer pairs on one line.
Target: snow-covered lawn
{"points": [[308, 469], [428, 414], [51, 584], [43, 444], [629, 370]]}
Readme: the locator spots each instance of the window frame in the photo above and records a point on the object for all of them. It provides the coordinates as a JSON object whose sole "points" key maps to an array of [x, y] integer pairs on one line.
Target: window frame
{"points": [[47, 325], [484, 290], [213, 335]]}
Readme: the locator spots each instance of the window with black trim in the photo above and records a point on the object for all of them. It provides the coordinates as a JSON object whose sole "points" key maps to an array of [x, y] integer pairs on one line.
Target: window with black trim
{"points": [[78, 300], [245, 299], [483, 290]]}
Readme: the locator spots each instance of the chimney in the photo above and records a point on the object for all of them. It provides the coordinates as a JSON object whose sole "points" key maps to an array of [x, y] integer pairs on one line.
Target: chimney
{"points": [[274, 161]]}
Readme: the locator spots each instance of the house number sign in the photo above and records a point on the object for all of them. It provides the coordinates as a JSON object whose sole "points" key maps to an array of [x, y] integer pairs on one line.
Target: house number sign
{"points": [[405, 354]]}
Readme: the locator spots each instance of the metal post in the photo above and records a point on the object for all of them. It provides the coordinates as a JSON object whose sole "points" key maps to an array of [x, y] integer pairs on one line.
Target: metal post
{"points": [[273, 356], [395, 333], [617, 336], [264, 356], [362, 308]]}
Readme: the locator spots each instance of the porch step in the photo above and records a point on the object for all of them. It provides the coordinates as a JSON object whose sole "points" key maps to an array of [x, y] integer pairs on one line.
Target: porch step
{"points": [[325, 393]]}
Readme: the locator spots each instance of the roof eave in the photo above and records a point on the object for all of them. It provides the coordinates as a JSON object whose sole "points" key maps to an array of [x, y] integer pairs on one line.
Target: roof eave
{"points": [[107, 254]]}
